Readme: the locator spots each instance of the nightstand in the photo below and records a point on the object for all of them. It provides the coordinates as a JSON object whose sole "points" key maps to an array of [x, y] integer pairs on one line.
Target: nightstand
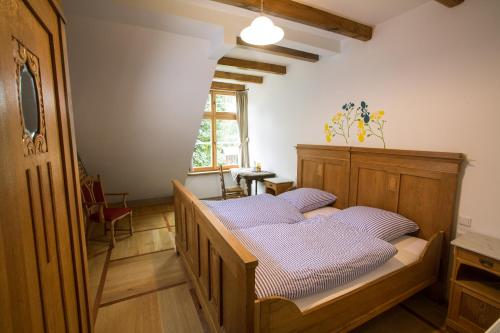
{"points": [[277, 186], [475, 284]]}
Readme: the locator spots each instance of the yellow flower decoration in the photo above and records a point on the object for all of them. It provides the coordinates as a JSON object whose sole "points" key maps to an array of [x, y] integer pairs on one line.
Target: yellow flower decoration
{"points": [[361, 135], [337, 117], [378, 115], [361, 131], [328, 133]]}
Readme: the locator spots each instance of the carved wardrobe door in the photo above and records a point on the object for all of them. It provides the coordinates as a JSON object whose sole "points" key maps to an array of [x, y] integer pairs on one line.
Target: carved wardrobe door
{"points": [[43, 275]]}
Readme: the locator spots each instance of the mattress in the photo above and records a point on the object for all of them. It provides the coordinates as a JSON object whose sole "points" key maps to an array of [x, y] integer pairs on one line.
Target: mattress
{"points": [[409, 251]]}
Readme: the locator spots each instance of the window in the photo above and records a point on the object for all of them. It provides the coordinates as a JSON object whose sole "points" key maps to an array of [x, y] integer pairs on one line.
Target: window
{"points": [[218, 141]]}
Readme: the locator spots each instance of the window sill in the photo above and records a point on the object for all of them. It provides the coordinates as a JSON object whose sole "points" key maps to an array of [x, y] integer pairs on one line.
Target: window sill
{"points": [[202, 173]]}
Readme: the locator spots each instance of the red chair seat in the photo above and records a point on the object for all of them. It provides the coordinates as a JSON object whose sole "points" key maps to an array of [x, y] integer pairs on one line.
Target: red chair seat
{"points": [[111, 214]]}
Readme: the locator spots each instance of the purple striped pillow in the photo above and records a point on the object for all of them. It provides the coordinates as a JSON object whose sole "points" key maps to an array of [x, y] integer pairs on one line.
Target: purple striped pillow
{"points": [[376, 222], [307, 199]]}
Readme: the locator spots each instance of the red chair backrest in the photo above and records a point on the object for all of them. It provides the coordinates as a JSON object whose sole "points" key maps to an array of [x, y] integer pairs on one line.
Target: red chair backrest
{"points": [[92, 191]]}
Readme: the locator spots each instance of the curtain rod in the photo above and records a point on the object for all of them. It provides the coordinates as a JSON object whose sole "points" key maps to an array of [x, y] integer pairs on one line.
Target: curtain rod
{"points": [[247, 89]]}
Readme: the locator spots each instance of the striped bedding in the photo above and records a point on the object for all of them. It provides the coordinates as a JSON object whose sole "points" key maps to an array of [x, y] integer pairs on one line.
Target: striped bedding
{"points": [[254, 211], [296, 260]]}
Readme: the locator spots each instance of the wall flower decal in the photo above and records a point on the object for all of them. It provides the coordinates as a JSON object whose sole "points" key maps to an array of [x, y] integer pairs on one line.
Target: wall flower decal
{"points": [[373, 126], [341, 123], [368, 124], [337, 127], [361, 131]]}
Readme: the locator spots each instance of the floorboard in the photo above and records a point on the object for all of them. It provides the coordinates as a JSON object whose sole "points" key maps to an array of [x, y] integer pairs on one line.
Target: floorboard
{"points": [[432, 312], [153, 209], [170, 220], [166, 311], [141, 274], [97, 257], [144, 222], [141, 242], [396, 320]]}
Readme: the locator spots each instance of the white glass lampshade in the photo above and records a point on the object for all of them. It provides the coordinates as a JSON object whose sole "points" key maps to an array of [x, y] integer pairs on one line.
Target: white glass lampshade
{"points": [[262, 31]]}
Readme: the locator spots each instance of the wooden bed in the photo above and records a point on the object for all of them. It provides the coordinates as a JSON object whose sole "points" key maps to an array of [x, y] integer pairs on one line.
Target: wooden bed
{"points": [[419, 185]]}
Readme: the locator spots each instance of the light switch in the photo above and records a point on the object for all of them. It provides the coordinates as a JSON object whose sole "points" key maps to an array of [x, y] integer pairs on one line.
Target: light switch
{"points": [[465, 221]]}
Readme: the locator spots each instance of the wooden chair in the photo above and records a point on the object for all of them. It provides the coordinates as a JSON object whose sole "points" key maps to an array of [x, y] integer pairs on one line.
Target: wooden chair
{"points": [[96, 207], [232, 192]]}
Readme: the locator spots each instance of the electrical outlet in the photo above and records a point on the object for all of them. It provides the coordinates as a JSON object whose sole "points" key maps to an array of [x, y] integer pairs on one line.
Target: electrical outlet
{"points": [[464, 225], [465, 221]]}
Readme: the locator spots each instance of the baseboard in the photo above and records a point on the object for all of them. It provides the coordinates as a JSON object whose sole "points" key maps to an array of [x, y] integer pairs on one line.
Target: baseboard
{"points": [[217, 198], [146, 202]]}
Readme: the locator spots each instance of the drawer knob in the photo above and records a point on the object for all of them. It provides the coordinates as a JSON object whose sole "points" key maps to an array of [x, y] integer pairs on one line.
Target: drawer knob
{"points": [[486, 263]]}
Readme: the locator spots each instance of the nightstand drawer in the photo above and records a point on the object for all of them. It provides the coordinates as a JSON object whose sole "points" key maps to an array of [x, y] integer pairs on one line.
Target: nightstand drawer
{"points": [[479, 260], [271, 186], [277, 186]]}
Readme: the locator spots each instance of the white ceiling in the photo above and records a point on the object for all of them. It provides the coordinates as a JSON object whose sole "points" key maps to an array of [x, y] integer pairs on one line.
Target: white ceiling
{"points": [[239, 52], [370, 12], [243, 71]]}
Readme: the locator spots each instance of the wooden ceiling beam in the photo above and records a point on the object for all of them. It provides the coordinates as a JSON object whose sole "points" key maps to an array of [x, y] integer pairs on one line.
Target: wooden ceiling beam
{"points": [[450, 3], [238, 77], [227, 86], [253, 65], [298, 12], [279, 50]]}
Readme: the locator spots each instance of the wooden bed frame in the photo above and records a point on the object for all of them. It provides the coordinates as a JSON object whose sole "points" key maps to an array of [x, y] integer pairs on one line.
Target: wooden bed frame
{"points": [[419, 185]]}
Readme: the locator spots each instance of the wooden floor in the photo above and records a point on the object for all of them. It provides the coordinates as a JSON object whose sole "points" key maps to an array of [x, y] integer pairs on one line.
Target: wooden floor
{"points": [[141, 286]]}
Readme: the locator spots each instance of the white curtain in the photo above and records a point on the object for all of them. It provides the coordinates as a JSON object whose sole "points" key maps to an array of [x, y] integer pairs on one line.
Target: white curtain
{"points": [[242, 117]]}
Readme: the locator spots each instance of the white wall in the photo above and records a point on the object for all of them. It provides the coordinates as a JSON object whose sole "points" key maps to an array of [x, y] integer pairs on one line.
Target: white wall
{"points": [[138, 97], [208, 186], [436, 73]]}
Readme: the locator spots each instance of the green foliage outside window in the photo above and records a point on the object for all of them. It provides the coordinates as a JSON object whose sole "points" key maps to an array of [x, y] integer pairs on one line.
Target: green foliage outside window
{"points": [[226, 133], [225, 103], [202, 155], [228, 139]]}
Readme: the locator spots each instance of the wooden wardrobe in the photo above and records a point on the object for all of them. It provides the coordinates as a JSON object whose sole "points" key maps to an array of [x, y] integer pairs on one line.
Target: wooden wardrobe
{"points": [[43, 273]]}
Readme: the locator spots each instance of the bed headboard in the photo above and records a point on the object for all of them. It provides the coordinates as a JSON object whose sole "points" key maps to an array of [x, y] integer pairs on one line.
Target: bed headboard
{"points": [[417, 184], [326, 168]]}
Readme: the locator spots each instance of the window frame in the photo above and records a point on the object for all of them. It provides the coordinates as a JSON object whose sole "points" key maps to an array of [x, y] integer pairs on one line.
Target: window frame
{"points": [[213, 116]]}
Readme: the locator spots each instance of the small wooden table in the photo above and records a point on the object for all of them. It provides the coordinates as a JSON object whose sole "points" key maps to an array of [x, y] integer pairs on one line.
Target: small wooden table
{"points": [[277, 186], [475, 284], [250, 176]]}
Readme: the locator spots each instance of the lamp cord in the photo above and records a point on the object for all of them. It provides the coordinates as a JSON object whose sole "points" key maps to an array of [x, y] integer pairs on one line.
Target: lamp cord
{"points": [[262, 6]]}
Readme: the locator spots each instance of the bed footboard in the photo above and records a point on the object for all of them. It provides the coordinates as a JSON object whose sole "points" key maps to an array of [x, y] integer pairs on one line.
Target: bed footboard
{"points": [[279, 315], [221, 270]]}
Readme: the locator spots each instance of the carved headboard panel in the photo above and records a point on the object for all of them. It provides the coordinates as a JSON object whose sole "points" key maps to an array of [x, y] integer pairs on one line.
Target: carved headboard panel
{"points": [[419, 185], [325, 168]]}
